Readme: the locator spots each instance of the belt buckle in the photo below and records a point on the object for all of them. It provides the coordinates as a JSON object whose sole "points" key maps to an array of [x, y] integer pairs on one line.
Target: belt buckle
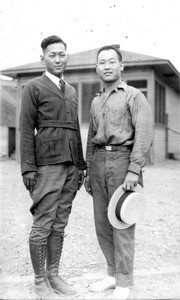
{"points": [[108, 148]]}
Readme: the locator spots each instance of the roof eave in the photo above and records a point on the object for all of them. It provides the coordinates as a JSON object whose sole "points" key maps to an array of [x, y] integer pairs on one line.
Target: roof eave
{"points": [[15, 73], [152, 63]]}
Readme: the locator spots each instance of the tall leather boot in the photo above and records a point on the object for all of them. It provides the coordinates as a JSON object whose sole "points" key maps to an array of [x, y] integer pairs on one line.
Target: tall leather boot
{"points": [[42, 287], [54, 250]]}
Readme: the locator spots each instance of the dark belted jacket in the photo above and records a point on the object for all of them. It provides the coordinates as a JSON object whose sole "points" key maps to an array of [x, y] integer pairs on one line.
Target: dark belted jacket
{"points": [[49, 126]]}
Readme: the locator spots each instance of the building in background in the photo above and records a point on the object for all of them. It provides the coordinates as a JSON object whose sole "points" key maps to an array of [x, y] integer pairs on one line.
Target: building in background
{"points": [[8, 101], [157, 78]]}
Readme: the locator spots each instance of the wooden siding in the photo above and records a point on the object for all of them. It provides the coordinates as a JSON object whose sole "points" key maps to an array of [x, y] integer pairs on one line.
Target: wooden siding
{"points": [[159, 144]]}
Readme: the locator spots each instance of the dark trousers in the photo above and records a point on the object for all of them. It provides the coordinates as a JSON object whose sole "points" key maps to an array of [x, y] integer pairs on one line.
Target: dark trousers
{"points": [[107, 172], [54, 191]]}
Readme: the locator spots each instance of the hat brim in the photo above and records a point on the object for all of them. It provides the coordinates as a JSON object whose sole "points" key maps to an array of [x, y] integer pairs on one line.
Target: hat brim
{"points": [[113, 203]]}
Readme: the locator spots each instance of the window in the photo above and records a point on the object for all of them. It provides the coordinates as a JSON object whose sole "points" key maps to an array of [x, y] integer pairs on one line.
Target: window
{"points": [[140, 85], [89, 91], [159, 103]]}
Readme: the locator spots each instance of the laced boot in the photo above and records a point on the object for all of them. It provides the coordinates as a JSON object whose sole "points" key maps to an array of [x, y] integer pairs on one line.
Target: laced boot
{"points": [[42, 287], [54, 250]]}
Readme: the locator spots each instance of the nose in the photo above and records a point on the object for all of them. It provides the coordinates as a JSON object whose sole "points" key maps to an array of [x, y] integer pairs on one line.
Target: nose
{"points": [[57, 59], [107, 65]]}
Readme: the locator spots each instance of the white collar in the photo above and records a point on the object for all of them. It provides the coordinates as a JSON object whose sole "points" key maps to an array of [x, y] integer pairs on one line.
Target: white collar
{"points": [[53, 78]]}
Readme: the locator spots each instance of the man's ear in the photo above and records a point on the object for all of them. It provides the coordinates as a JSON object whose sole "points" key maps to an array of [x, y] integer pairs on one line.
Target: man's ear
{"points": [[121, 66], [42, 58], [97, 68], [67, 57]]}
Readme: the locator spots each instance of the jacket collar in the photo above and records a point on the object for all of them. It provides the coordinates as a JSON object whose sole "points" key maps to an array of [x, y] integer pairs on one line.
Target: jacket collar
{"points": [[51, 85]]}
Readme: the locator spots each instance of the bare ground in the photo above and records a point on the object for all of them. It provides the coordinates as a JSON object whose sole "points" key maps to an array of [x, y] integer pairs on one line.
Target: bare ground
{"points": [[157, 258]]}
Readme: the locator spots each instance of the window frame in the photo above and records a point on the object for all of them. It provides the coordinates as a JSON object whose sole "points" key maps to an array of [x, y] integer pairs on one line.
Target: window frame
{"points": [[160, 103], [144, 90], [86, 122]]}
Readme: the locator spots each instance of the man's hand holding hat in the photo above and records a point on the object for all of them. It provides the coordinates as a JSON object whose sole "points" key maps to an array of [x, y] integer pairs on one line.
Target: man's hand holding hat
{"points": [[130, 181]]}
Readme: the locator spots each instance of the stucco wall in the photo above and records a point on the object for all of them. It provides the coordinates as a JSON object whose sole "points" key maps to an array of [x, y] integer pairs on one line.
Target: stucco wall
{"points": [[159, 145]]}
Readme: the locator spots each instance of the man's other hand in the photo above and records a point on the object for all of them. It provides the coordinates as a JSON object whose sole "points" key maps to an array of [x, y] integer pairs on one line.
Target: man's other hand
{"points": [[81, 179], [29, 179], [87, 185]]}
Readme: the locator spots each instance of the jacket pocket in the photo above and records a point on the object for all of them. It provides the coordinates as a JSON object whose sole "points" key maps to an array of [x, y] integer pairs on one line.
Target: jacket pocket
{"points": [[48, 146]]}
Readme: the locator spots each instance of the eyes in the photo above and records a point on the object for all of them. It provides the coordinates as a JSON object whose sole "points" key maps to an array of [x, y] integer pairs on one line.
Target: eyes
{"points": [[60, 55], [104, 62]]}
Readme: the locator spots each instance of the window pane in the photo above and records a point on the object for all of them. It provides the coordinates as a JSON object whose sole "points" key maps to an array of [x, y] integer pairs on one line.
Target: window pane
{"points": [[159, 103], [89, 91], [139, 84]]}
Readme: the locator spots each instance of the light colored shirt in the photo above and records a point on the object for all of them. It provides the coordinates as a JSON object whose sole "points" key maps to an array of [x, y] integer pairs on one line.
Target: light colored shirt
{"points": [[121, 118]]}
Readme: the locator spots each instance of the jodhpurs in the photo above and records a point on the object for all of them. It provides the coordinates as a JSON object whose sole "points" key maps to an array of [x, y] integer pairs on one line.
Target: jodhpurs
{"points": [[54, 191], [107, 172]]}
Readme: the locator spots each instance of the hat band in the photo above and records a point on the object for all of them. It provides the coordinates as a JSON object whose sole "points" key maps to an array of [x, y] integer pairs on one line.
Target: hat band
{"points": [[120, 203]]}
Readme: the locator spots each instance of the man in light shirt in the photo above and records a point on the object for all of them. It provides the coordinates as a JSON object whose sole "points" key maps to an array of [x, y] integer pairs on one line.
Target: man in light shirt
{"points": [[52, 164], [119, 140]]}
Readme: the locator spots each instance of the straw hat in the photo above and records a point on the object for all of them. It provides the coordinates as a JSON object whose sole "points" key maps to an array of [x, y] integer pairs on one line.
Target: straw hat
{"points": [[126, 208]]}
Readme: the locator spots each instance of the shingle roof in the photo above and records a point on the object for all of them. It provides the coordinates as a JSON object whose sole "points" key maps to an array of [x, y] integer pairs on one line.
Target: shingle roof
{"points": [[81, 60], [89, 58]]}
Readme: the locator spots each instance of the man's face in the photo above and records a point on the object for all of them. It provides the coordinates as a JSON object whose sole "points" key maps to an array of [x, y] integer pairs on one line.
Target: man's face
{"points": [[55, 59], [108, 66]]}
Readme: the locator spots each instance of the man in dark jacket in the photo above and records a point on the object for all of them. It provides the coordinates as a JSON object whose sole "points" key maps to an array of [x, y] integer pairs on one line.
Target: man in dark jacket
{"points": [[52, 164]]}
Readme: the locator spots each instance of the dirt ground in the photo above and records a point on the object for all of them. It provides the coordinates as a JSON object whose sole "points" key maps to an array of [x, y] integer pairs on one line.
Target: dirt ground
{"points": [[157, 258]]}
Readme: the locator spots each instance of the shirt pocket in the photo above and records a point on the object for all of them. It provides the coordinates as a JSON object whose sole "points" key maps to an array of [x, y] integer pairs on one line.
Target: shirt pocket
{"points": [[46, 147], [116, 116]]}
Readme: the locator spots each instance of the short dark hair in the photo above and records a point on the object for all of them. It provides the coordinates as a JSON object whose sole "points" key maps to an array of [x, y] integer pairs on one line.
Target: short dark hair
{"points": [[51, 40], [109, 47]]}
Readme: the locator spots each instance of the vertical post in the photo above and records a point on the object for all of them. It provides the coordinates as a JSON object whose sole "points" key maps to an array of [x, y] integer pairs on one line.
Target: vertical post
{"points": [[167, 135], [17, 119]]}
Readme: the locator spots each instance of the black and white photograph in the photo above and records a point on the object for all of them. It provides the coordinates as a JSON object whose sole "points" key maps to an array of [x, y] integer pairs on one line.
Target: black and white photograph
{"points": [[89, 149]]}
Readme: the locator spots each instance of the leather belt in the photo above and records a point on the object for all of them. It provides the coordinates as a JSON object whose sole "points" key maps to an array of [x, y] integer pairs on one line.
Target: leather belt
{"points": [[112, 147]]}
